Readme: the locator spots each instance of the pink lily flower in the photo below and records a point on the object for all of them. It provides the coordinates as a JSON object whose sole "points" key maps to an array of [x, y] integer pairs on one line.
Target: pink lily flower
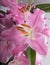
{"points": [[31, 32], [14, 6]]}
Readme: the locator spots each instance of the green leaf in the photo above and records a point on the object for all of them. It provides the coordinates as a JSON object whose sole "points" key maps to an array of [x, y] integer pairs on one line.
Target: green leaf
{"points": [[31, 55], [45, 7]]}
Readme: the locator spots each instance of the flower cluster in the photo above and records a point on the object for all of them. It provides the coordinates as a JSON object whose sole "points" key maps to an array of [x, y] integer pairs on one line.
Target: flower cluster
{"points": [[21, 28]]}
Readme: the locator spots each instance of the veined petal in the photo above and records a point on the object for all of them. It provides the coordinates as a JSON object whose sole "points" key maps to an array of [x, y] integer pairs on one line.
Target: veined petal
{"points": [[21, 60], [46, 32], [36, 18], [13, 34], [39, 20], [19, 49], [38, 59], [6, 50], [4, 2], [39, 44], [7, 2], [19, 20], [9, 33], [21, 4]]}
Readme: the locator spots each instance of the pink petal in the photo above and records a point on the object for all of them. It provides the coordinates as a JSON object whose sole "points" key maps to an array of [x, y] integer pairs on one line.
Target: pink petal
{"points": [[10, 33], [39, 44], [38, 59], [4, 2], [21, 4], [18, 19], [46, 32], [21, 60], [7, 2], [7, 21], [20, 48], [36, 18], [6, 51], [14, 35], [17, 15], [1, 28]]}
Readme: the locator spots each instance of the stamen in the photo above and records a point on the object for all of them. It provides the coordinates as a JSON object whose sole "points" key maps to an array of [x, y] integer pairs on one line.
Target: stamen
{"points": [[24, 9], [26, 30], [22, 30], [26, 25], [27, 7]]}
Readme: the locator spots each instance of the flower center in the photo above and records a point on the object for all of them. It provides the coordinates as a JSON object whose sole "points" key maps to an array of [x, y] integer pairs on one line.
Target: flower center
{"points": [[26, 30]]}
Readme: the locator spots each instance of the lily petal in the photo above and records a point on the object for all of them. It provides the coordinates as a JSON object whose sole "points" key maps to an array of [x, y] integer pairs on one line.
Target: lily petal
{"points": [[46, 32], [21, 60], [39, 44], [13, 34], [38, 59], [36, 18], [6, 51]]}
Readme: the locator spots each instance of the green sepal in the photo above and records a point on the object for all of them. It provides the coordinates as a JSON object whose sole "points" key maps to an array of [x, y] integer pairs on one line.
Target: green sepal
{"points": [[31, 56], [45, 7]]}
